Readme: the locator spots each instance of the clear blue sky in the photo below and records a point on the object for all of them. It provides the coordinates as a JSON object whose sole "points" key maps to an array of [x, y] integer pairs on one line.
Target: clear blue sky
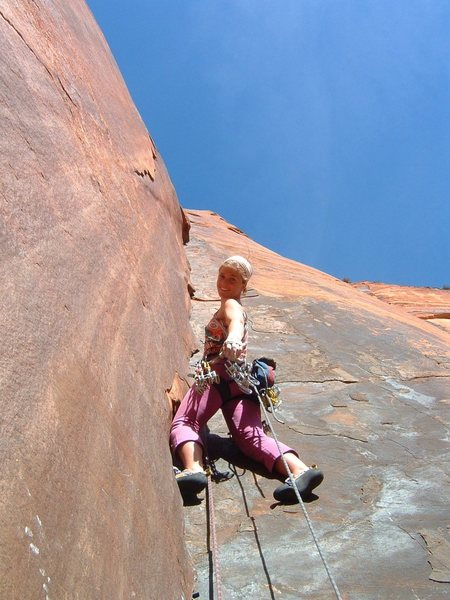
{"points": [[319, 127]]}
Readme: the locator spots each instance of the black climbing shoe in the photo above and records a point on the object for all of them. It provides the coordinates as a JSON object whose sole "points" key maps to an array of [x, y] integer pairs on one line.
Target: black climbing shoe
{"points": [[190, 483], [305, 484]]}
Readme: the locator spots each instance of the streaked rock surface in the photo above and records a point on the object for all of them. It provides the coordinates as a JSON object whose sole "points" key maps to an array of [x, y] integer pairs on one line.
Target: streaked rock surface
{"points": [[366, 396], [431, 304], [94, 311]]}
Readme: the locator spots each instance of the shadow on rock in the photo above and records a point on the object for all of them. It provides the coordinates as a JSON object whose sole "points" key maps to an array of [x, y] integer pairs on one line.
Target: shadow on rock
{"points": [[191, 500], [308, 500], [225, 449]]}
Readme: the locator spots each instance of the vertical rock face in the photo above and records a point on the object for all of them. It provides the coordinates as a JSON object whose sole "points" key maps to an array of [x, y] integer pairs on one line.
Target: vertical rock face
{"points": [[94, 321]]}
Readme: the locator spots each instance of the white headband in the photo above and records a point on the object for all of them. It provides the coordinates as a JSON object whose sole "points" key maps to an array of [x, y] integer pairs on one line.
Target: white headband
{"points": [[241, 264]]}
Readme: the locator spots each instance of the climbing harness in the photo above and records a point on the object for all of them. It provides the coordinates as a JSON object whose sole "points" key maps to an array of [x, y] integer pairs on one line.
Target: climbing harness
{"points": [[242, 375]]}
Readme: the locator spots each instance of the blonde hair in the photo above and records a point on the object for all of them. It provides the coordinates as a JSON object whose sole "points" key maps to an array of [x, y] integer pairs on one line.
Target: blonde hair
{"points": [[240, 264]]}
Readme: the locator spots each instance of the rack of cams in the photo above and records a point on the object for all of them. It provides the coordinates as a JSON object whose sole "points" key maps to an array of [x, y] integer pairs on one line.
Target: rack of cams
{"points": [[241, 373]]}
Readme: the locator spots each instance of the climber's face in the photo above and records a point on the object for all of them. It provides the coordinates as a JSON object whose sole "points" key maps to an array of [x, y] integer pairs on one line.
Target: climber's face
{"points": [[230, 283]]}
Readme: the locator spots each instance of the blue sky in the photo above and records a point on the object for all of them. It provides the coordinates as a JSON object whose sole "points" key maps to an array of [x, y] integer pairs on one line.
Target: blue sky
{"points": [[319, 127]]}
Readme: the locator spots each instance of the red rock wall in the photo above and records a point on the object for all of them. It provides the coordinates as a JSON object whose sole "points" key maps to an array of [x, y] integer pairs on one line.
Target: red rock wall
{"points": [[94, 321], [430, 304]]}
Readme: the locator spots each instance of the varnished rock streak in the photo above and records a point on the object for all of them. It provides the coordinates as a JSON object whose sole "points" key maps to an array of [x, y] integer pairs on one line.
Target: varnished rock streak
{"points": [[366, 395]]}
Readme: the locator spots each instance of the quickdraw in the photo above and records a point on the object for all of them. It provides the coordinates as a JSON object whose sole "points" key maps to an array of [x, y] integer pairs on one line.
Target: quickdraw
{"points": [[204, 376], [242, 375]]}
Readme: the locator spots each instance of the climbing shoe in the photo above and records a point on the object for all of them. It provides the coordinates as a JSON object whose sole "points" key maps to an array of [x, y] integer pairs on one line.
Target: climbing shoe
{"points": [[189, 482], [305, 483]]}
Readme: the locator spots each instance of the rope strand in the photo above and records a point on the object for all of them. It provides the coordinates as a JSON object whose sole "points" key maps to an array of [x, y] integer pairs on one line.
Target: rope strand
{"points": [[214, 547], [299, 498]]}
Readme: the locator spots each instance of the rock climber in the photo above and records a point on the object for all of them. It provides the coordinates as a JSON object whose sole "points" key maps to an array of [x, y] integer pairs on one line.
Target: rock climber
{"points": [[226, 339]]}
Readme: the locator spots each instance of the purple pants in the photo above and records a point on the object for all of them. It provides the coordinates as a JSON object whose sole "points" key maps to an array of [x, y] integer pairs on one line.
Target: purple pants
{"points": [[242, 415]]}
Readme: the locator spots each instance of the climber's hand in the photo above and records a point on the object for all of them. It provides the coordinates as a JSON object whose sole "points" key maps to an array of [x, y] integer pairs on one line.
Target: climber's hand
{"points": [[232, 347]]}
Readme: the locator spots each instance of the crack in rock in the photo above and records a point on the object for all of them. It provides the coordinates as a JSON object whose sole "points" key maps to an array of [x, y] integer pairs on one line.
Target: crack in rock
{"points": [[26, 44], [328, 434], [333, 380], [439, 550], [40, 61], [145, 173]]}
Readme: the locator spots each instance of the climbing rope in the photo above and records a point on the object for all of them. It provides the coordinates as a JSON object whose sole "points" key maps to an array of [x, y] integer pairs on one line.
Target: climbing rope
{"points": [[214, 476], [213, 541], [297, 493]]}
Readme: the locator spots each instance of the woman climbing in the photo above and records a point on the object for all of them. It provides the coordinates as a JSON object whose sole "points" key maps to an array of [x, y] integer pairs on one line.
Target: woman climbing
{"points": [[226, 337]]}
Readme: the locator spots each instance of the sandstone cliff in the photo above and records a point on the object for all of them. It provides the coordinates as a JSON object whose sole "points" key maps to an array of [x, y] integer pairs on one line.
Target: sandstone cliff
{"points": [[95, 325], [366, 394], [430, 304], [94, 322]]}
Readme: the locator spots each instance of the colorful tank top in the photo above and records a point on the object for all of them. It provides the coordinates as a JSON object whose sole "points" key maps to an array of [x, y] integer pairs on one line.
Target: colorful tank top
{"points": [[216, 332]]}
